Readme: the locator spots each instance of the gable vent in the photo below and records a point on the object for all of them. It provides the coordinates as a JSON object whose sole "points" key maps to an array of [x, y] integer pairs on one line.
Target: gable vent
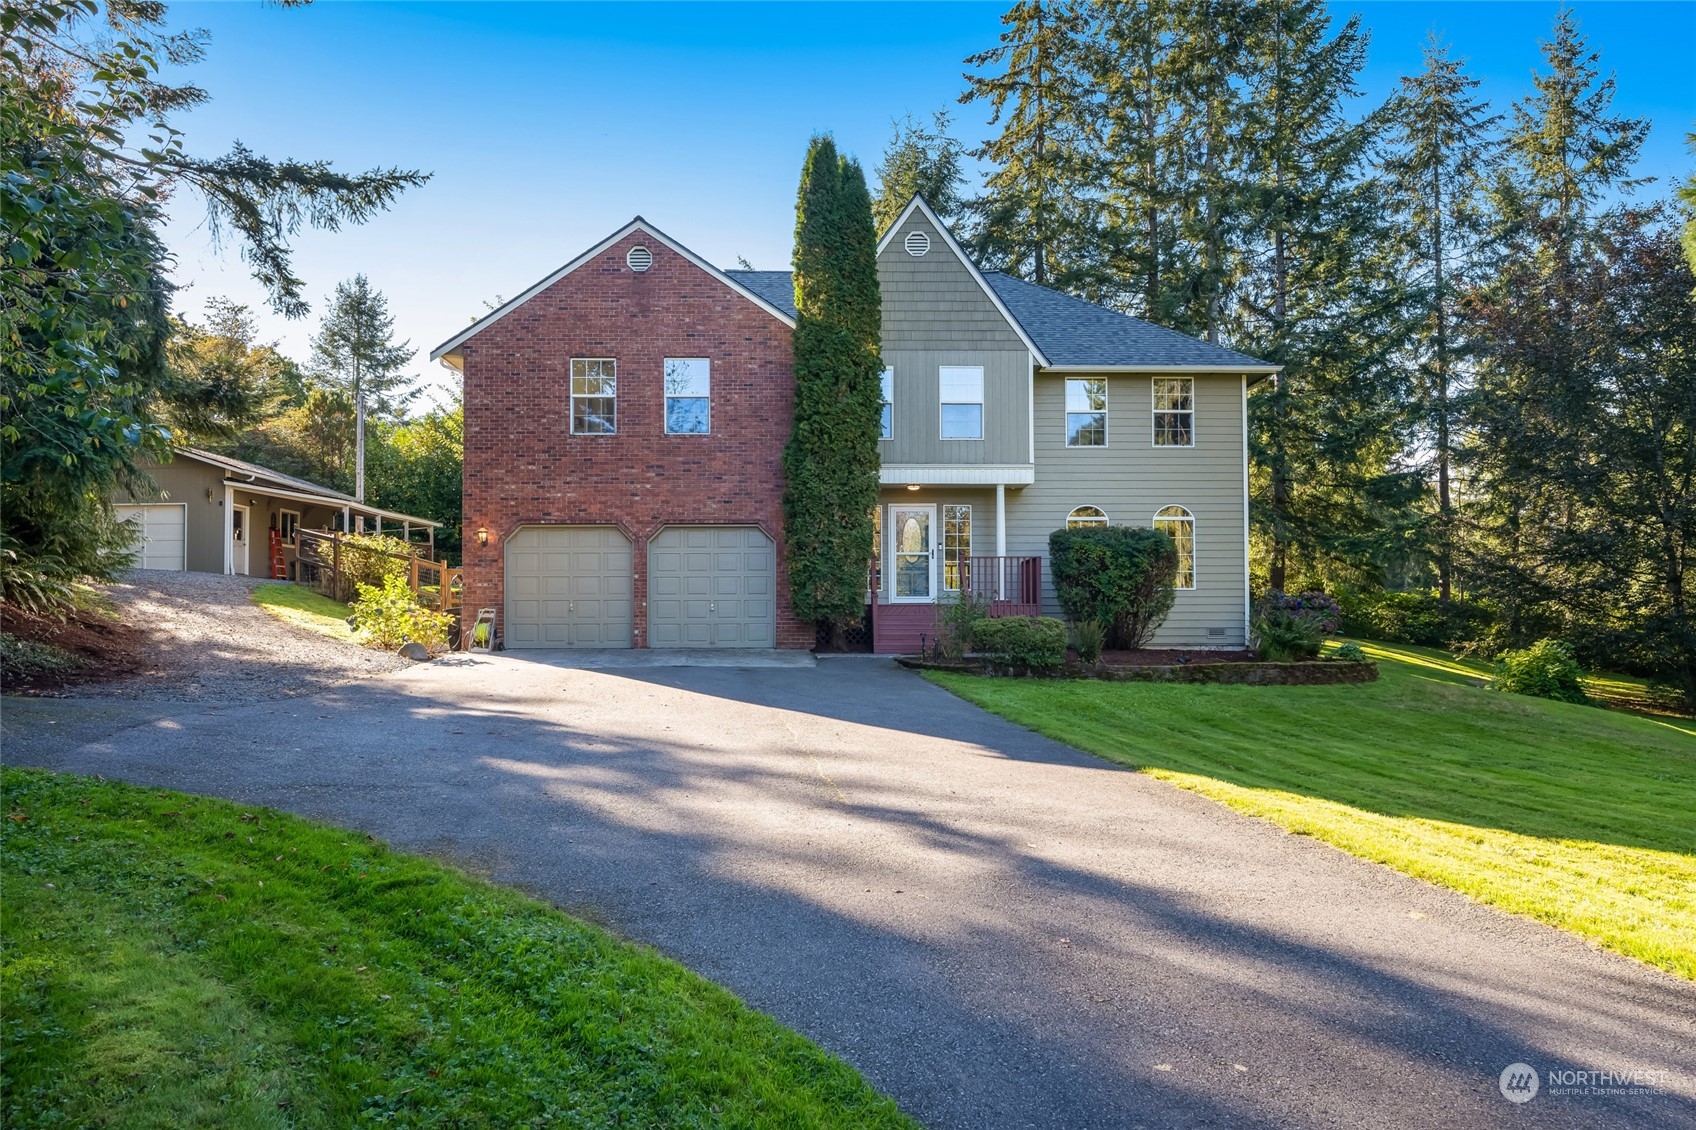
{"points": [[917, 243], [639, 259]]}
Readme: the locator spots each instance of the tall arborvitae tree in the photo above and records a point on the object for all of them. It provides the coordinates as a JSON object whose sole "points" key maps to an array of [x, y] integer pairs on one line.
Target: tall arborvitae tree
{"points": [[1441, 145], [1532, 446], [355, 351], [921, 160], [1035, 208], [831, 461], [1317, 295]]}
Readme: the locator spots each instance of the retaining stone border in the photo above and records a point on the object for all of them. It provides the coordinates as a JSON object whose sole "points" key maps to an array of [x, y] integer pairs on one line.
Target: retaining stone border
{"points": [[1304, 673]]}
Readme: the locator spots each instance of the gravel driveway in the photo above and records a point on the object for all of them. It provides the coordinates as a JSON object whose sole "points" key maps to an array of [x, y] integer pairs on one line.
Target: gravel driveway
{"points": [[208, 642], [997, 930]]}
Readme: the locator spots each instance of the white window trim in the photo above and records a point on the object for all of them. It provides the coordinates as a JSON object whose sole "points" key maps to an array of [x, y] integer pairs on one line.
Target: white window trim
{"points": [[1105, 520], [1106, 426], [966, 549], [1154, 410], [288, 539], [571, 397], [1195, 571], [889, 402], [981, 402], [665, 407]]}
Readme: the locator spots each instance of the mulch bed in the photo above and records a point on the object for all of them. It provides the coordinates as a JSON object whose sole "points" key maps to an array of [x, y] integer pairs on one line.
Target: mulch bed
{"points": [[1169, 657], [106, 648]]}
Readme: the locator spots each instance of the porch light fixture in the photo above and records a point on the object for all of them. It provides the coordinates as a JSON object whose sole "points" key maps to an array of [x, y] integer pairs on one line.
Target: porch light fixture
{"points": [[912, 486], [482, 535]]}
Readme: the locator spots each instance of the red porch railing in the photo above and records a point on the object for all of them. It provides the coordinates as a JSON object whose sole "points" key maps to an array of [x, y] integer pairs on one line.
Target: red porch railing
{"points": [[1011, 586]]}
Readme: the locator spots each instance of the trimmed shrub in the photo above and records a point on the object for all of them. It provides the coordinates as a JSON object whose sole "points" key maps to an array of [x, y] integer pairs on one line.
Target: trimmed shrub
{"points": [[390, 616], [1294, 627], [1350, 651], [1117, 576], [1088, 636], [1546, 669], [1024, 643]]}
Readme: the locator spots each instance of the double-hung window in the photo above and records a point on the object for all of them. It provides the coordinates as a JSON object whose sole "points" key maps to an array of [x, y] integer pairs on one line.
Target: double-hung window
{"points": [[688, 396], [1174, 411], [956, 544], [962, 401], [1086, 412], [887, 427], [594, 396], [288, 521]]}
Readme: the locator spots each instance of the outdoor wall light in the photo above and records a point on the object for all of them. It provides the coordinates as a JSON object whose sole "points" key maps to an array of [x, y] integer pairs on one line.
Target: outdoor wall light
{"points": [[208, 494], [482, 535]]}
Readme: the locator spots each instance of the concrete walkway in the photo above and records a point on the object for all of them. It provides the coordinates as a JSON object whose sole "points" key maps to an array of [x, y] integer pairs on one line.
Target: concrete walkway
{"points": [[997, 930]]}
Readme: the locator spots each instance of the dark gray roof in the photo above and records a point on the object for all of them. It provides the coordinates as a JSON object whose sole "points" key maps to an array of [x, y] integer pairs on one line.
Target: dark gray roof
{"points": [[776, 287], [1069, 331], [265, 475]]}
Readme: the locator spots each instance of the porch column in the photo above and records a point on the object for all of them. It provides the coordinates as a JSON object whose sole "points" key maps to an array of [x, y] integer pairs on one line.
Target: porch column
{"points": [[229, 528], [379, 525], [406, 532], [347, 521], [1000, 539]]}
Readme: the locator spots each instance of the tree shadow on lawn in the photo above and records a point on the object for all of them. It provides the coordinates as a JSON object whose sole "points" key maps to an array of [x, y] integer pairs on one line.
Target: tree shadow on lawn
{"points": [[1002, 986]]}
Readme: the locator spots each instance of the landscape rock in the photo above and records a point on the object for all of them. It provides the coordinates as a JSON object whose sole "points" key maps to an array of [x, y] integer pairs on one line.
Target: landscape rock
{"points": [[412, 649]]}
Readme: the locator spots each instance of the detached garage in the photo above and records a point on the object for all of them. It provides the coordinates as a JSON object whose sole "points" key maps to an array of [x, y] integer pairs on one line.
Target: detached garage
{"points": [[569, 586], [712, 586]]}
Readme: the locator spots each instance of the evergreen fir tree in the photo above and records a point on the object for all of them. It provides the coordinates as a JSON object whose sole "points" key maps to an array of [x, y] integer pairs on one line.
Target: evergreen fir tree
{"points": [[831, 461], [355, 351], [1316, 295], [1442, 146], [1036, 205], [922, 161]]}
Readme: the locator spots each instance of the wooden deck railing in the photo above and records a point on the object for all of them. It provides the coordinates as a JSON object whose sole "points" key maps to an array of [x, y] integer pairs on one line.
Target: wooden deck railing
{"points": [[324, 566], [1010, 586]]}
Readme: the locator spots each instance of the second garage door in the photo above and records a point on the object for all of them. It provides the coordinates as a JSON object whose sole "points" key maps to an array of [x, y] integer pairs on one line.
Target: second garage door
{"points": [[568, 586], [712, 586]]}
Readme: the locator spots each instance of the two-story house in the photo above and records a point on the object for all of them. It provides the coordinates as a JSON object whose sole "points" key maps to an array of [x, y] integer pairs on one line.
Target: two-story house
{"points": [[626, 417]]}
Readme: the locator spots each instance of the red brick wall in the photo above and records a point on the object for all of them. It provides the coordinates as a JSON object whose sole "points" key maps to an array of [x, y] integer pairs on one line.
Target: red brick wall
{"points": [[523, 465]]}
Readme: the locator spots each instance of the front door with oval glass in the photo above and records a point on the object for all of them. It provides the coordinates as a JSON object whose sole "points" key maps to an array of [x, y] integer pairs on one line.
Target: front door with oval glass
{"points": [[912, 550]]}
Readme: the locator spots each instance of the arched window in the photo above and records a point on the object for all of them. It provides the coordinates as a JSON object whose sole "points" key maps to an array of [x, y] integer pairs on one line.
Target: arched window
{"points": [[1086, 516], [1179, 525]]}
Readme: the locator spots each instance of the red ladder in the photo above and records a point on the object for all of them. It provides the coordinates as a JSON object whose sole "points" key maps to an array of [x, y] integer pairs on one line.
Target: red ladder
{"points": [[279, 571]]}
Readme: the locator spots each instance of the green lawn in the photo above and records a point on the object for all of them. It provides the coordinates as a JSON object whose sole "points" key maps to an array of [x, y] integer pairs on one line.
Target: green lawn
{"points": [[171, 961], [1580, 817], [300, 606]]}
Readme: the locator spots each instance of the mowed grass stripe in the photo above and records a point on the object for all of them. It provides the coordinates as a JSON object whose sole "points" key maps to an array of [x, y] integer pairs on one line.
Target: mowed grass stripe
{"points": [[173, 960], [1580, 817]]}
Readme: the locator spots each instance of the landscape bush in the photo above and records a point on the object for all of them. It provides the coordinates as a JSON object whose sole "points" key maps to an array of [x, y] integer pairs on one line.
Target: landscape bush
{"points": [[957, 625], [1088, 636], [390, 616], [1117, 576], [1294, 627], [1023, 643], [1546, 669], [1350, 651], [370, 560], [1419, 618]]}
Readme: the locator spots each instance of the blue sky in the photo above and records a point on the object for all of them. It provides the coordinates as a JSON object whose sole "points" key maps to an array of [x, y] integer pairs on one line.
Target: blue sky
{"points": [[547, 126]]}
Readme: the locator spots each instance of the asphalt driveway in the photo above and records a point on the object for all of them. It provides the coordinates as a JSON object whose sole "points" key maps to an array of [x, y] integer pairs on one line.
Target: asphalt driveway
{"points": [[997, 930]]}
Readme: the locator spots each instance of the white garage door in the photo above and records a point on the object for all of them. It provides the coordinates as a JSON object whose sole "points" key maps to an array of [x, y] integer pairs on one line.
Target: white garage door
{"points": [[712, 586], [568, 586], [161, 534]]}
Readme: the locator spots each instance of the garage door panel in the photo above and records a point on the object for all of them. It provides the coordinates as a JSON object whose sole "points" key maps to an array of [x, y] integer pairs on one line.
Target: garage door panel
{"points": [[715, 587], [568, 586], [161, 535]]}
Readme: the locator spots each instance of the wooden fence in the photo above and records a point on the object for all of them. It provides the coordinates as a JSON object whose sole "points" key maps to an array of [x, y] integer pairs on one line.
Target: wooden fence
{"points": [[333, 567]]}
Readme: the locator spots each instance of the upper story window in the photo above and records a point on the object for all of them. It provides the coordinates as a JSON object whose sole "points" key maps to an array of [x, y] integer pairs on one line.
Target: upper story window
{"points": [[1084, 516], [887, 427], [962, 401], [594, 396], [1086, 412], [1174, 411], [1179, 525], [688, 396]]}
